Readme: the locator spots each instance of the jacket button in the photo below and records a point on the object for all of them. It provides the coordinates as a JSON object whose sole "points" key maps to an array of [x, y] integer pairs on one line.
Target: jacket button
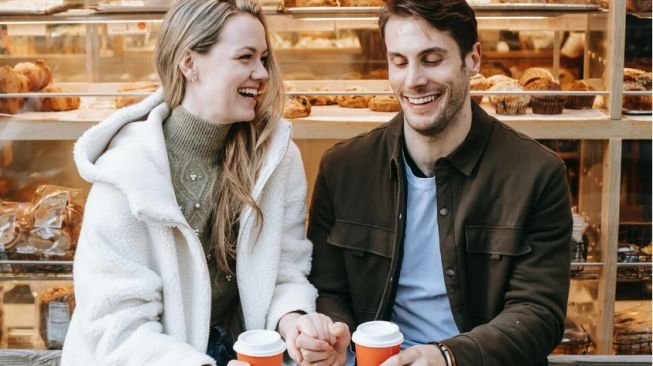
{"points": [[444, 212], [451, 273]]}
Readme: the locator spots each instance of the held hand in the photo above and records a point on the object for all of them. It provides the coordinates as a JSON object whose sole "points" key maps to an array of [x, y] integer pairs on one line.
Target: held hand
{"points": [[341, 332], [237, 363], [420, 355], [313, 331]]}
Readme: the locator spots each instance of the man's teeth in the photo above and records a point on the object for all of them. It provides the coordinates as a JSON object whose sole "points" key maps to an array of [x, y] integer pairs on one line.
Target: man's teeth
{"points": [[248, 92], [423, 100]]}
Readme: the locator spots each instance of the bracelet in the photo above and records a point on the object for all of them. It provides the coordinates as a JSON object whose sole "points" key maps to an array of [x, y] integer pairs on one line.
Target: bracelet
{"points": [[446, 354]]}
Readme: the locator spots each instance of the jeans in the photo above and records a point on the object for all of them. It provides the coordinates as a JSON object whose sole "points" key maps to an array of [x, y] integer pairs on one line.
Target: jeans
{"points": [[220, 345]]}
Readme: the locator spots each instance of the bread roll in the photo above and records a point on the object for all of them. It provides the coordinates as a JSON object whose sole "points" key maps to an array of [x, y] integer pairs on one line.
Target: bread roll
{"points": [[11, 82], [38, 74], [55, 103]]}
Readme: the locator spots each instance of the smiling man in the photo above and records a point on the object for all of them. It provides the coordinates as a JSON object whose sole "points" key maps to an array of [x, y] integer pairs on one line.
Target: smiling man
{"points": [[444, 220]]}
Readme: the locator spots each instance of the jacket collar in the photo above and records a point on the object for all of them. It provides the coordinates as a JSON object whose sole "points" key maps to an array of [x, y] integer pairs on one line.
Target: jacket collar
{"points": [[130, 154], [464, 158]]}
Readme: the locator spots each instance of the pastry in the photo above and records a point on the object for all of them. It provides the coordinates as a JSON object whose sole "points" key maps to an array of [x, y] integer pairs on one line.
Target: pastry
{"points": [[377, 74], [361, 3], [56, 308], [532, 74], [501, 79], [38, 74], [55, 103], [354, 101], [296, 107], [384, 103], [637, 80], [145, 86], [509, 104], [11, 82], [322, 99], [580, 101], [479, 82], [310, 3], [639, 5], [545, 104]]}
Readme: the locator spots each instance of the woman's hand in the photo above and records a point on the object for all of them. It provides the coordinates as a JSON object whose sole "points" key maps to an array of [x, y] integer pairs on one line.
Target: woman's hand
{"points": [[237, 363], [313, 332]]}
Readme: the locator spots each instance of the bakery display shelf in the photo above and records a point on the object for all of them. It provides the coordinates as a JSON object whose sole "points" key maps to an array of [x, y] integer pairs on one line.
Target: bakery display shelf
{"points": [[642, 15], [329, 122], [634, 264], [4, 277], [587, 264], [82, 16], [507, 9]]}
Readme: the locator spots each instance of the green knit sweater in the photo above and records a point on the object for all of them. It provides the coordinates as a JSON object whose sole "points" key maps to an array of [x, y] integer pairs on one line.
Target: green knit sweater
{"points": [[193, 147]]}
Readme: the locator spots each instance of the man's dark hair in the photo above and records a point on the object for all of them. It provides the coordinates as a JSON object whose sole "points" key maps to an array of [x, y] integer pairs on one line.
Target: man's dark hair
{"points": [[455, 17]]}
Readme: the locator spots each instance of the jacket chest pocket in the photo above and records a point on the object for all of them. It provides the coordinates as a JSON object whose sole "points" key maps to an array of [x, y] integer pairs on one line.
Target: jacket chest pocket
{"points": [[367, 252], [491, 253]]}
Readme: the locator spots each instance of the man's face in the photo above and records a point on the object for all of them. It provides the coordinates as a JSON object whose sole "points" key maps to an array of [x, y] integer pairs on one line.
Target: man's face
{"points": [[426, 73]]}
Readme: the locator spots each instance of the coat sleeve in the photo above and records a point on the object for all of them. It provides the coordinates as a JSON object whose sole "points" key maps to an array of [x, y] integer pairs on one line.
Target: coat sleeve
{"points": [[328, 273], [532, 322], [293, 292], [118, 293]]}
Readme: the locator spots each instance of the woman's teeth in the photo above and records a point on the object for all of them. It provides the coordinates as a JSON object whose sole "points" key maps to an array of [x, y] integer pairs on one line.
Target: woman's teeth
{"points": [[248, 92]]}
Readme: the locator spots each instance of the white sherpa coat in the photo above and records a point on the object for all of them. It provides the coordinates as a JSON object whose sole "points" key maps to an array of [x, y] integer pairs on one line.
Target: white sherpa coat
{"points": [[144, 298]]}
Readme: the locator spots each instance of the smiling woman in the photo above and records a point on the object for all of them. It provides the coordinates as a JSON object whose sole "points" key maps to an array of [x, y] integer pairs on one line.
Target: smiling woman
{"points": [[195, 222]]}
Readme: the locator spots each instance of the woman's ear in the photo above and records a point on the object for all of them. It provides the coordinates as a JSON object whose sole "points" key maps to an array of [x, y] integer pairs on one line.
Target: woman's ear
{"points": [[187, 67]]}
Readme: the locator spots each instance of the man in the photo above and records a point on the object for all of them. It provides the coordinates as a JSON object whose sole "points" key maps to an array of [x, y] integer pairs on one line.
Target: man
{"points": [[444, 220]]}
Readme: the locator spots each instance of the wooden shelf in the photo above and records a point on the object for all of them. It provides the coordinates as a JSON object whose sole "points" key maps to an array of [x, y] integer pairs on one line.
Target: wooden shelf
{"points": [[333, 122]]}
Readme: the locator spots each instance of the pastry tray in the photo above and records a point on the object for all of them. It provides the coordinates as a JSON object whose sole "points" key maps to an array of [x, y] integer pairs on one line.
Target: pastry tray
{"points": [[633, 112], [128, 6], [22, 7]]}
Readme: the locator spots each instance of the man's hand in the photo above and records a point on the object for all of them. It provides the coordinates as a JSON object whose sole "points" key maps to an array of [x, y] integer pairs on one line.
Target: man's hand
{"points": [[421, 355], [314, 331]]}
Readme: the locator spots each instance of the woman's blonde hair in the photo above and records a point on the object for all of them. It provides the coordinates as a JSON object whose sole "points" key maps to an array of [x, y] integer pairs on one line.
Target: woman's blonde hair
{"points": [[196, 25]]}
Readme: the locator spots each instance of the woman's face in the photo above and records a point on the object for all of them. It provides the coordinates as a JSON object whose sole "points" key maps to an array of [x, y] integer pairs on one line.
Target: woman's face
{"points": [[232, 74]]}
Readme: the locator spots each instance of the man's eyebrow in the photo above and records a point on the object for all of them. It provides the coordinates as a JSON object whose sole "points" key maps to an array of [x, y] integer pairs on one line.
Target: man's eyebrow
{"points": [[434, 50], [422, 53]]}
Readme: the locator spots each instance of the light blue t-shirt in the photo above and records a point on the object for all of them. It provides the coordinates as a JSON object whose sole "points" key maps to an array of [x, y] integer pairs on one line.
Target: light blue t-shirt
{"points": [[421, 307]]}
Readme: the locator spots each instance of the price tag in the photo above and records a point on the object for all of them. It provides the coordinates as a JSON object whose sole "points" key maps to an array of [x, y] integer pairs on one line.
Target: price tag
{"points": [[127, 28], [26, 29]]}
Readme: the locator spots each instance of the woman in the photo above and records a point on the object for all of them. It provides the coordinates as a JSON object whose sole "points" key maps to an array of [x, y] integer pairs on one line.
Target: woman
{"points": [[197, 178]]}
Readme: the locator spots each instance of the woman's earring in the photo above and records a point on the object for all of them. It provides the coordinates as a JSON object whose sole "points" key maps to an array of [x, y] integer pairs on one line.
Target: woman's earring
{"points": [[193, 78]]}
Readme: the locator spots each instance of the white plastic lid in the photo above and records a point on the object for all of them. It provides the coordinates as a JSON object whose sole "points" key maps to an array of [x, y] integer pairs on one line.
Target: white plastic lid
{"points": [[259, 343], [378, 334]]}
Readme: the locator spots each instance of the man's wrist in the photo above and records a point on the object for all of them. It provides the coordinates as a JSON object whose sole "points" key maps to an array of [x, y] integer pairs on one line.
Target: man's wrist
{"points": [[446, 353]]}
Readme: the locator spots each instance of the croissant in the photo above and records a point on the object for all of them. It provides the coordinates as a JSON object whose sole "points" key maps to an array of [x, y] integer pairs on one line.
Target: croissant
{"points": [[55, 103], [39, 74], [146, 86], [11, 82]]}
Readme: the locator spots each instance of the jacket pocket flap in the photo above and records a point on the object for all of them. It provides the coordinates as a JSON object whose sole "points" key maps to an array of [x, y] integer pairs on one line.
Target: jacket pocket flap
{"points": [[361, 237], [492, 240]]}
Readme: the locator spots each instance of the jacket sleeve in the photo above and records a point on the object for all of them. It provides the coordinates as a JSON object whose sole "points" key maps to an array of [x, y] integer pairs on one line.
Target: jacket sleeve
{"points": [[293, 292], [118, 293], [532, 322], [328, 272]]}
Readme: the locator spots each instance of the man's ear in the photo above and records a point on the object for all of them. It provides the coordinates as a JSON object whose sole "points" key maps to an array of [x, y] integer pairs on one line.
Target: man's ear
{"points": [[187, 66], [473, 59]]}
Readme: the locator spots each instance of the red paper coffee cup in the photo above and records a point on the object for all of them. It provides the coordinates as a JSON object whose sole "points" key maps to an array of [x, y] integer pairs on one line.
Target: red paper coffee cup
{"points": [[260, 348], [376, 341]]}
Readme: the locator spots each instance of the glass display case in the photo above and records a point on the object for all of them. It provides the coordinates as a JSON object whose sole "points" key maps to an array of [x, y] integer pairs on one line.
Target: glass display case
{"points": [[100, 58]]}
